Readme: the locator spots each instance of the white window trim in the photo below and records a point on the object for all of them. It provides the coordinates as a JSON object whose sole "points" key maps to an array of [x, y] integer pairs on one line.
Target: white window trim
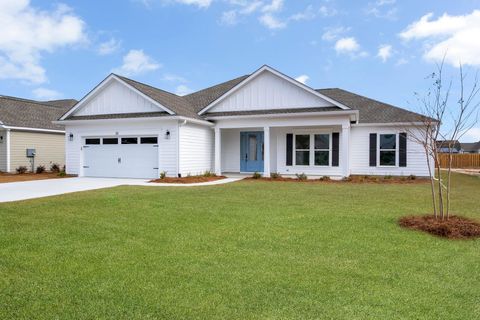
{"points": [[312, 149], [396, 150]]}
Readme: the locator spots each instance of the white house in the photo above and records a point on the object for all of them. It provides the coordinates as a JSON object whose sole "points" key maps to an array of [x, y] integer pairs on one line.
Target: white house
{"points": [[263, 122]]}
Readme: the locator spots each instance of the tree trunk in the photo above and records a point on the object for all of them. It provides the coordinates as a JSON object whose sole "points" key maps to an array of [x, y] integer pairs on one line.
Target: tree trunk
{"points": [[440, 190], [432, 184]]}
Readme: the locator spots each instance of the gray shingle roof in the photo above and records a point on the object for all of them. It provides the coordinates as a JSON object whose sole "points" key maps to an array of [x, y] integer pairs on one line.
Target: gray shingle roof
{"points": [[371, 111], [63, 103], [120, 116], [471, 146], [271, 111], [17, 112]]}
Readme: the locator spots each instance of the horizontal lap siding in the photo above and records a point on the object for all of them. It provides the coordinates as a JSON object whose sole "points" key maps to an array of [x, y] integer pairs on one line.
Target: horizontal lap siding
{"points": [[196, 149], [50, 148], [3, 151], [167, 147], [359, 154]]}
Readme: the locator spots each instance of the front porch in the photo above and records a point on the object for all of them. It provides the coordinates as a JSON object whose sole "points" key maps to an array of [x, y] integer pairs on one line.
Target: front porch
{"points": [[316, 150]]}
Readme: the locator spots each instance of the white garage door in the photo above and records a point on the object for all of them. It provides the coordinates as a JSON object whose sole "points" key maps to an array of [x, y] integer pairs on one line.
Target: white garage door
{"points": [[123, 157]]}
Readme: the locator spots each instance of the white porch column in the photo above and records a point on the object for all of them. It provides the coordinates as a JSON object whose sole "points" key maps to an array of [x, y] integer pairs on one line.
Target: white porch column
{"points": [[218, 151], [266, 152], [345, 160]]}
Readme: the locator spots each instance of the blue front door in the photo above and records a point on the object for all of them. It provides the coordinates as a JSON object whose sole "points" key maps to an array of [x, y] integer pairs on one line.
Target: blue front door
{"points": [[251, 151]]}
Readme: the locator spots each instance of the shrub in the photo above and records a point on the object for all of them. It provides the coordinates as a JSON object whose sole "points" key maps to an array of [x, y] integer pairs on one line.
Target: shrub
{"points": [[209, 173], [40, 169], [163, 174], [256, 175], [21, 169], [388, 177], [301, 176], [275, 175], [62, 174], [412, 177], [55, 167], [325, 178]]}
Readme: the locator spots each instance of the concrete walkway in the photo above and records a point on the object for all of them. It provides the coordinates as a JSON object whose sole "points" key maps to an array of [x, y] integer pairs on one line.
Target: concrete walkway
{"points": [[15, 191]]}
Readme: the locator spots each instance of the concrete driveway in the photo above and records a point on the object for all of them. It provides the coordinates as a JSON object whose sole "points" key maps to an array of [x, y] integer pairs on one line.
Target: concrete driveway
{"points": [[15, 191]]}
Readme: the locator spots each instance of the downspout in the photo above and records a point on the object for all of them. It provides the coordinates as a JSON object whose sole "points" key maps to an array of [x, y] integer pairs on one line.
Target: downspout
{"points": [[179, 124], [8, 151]]}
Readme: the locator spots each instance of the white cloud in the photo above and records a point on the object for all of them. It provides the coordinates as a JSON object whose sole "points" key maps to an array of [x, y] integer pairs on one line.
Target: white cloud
{"points": [[198, 3], [173, 78], [229, 18], [382, 9], [401, 62], [455, 36], [334, 33], [109, 47], [27, 33], [350, 47], [384, 52], [271, 22], [182, 90], [274, 6], [303, 78], [46, 94], [472, 135], [136, 62], [327, 11], [307, 14]]}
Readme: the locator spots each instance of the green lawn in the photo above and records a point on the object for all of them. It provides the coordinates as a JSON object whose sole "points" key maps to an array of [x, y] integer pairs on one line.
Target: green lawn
{"points": [[247, 250]]}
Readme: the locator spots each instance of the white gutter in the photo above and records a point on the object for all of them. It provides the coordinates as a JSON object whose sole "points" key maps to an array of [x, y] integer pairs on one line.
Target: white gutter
{"points": [[85, 121], [32, 129], [278, 115], [390, 124]]}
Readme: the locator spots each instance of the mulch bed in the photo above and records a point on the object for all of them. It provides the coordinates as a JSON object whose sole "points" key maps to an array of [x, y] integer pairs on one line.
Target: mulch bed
{"points": [[351, 179], [12, 177], [454, 228], [186, 180]]}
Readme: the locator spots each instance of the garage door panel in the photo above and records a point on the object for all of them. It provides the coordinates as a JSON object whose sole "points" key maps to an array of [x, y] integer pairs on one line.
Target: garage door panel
{"points": [[121, 161]]}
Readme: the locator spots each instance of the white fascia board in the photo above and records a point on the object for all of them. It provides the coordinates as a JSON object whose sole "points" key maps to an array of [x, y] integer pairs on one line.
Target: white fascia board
{"points": [[279, 74], [103, 84], [389, 124], [33, 129], [288, 115], [166, 118]]}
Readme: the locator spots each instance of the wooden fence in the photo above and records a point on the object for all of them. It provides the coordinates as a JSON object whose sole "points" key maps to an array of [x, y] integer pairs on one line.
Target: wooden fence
{"points": [[464, 160]]}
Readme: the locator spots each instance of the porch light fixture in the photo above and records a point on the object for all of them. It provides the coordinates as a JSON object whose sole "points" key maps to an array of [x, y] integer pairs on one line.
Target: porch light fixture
{"points": [[167, 134], [70, 137], [1, 139]]}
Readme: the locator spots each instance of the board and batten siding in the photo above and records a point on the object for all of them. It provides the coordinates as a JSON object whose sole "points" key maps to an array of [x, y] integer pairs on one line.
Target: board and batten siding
{"points": [[268, 91], [49, 147], [3, 151], [134, 128], [116, 98], [359, 154], [196, 149]]}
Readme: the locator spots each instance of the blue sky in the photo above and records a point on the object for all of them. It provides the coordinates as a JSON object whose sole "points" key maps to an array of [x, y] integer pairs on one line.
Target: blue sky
{"points": [[383, 49]]}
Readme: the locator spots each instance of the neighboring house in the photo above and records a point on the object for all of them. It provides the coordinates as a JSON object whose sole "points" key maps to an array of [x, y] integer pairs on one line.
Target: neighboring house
{"points": [[27, 124], [444, 146], [473, 147], [263, 122]]}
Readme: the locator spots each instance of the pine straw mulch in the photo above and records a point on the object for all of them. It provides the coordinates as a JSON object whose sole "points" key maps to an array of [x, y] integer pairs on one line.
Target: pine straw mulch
{"points": [[351, 179], [17, 177], [454, 228], [188, 179]]}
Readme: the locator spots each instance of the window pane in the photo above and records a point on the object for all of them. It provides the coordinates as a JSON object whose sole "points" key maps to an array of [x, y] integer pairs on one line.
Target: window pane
{"points": [[92, 141], [387, 158], [149, 140], [388, 141], [252, 148], [322, 141], [129, 140], [322, 158], [302, 141], [110, 140], [302, 158]]}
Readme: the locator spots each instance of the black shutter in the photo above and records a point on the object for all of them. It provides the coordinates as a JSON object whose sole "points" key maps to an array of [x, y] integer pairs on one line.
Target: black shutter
{"points": [[373, 149], [402, 159], [335, 148], [289, 149]]}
